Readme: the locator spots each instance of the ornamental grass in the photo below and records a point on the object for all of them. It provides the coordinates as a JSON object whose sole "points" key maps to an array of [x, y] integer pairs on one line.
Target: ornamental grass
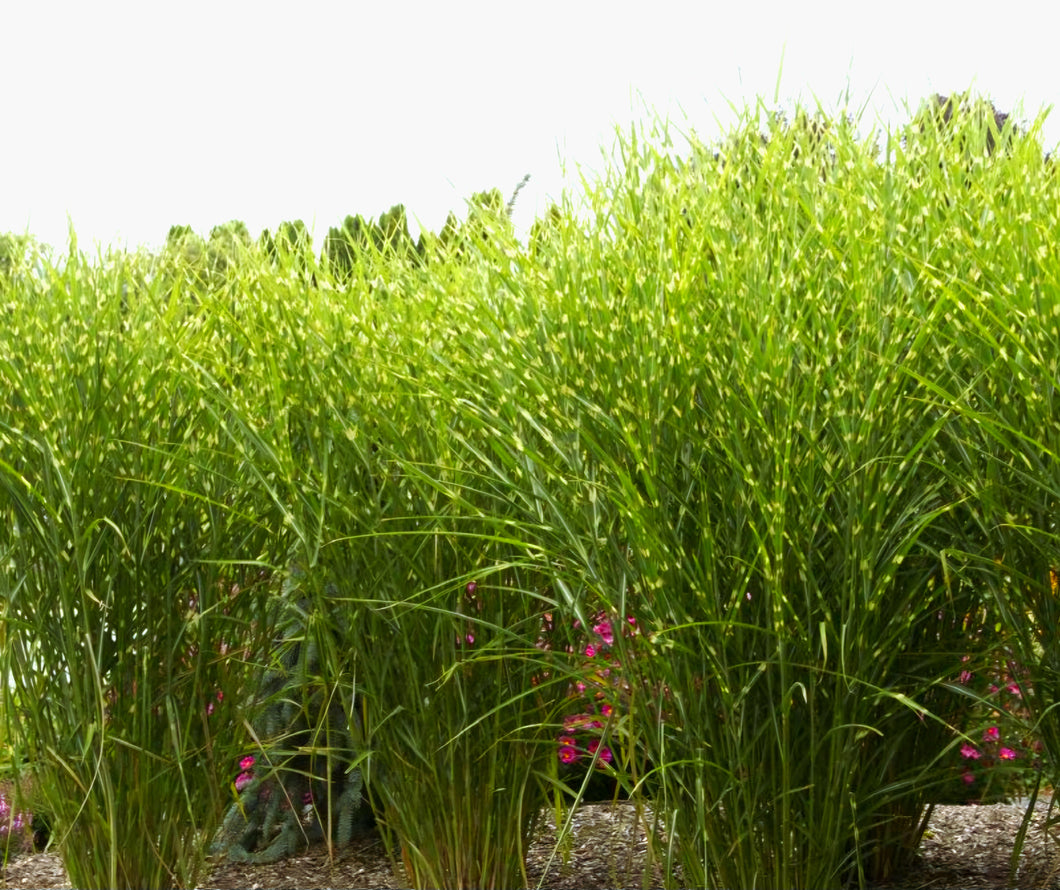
{"points": [[780, 408]]}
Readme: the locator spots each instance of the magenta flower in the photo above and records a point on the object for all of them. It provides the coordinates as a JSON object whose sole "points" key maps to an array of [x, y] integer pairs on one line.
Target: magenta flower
{"points": [[606, 709], [968, 777], [247, 762], [590, 651], [567, 752], [1006, 754], [242, 780], [605, 752], [965, 677], [580, 721], [992, 734], [970, 752], [603, 630]]}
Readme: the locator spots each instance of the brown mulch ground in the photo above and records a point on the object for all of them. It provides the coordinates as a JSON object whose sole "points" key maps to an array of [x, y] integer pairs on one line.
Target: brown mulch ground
{"points": [[966, 847]]}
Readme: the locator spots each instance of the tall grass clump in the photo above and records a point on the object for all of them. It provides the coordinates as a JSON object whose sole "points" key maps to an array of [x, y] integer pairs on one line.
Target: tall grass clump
{"points": [[416, 560], [741, 358], [1004, 294], [129, 585]]}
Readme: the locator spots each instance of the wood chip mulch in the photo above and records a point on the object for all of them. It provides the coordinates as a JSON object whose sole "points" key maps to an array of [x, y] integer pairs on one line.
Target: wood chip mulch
{"points": [[966, 847]]}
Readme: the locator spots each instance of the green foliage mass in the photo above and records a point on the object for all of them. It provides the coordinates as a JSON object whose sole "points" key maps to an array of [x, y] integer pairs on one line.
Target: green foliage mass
{"points": [[788, 400]]}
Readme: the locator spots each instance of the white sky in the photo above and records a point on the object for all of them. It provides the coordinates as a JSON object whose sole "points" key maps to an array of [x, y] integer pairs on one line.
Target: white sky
{"points": [[132, 116]]}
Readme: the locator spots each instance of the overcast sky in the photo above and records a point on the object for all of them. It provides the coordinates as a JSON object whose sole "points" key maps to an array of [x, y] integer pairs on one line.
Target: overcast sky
{"points": [[128, 117]]}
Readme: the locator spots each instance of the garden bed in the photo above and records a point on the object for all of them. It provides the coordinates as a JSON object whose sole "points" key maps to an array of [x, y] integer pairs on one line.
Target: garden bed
{"points": [[965, 847]]}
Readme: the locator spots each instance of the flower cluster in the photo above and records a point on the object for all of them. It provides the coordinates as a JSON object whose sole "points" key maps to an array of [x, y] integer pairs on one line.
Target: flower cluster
{"points": [[14, 828], [598, 690], [246, 776], [11, 821], [581, 737], [991, 751], [597, 687], [993, 767]]}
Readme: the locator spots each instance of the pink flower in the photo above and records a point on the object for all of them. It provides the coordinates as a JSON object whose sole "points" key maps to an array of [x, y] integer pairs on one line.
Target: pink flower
{"points": [[247, 762], [965, 677], [1006, 754], [590, 651], [992, 734], [970, 752], [606, 709], [580, 721], [603, 630], [605, 753], [1014, 689], [242, 780], [567, 754], [968, 777]]}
